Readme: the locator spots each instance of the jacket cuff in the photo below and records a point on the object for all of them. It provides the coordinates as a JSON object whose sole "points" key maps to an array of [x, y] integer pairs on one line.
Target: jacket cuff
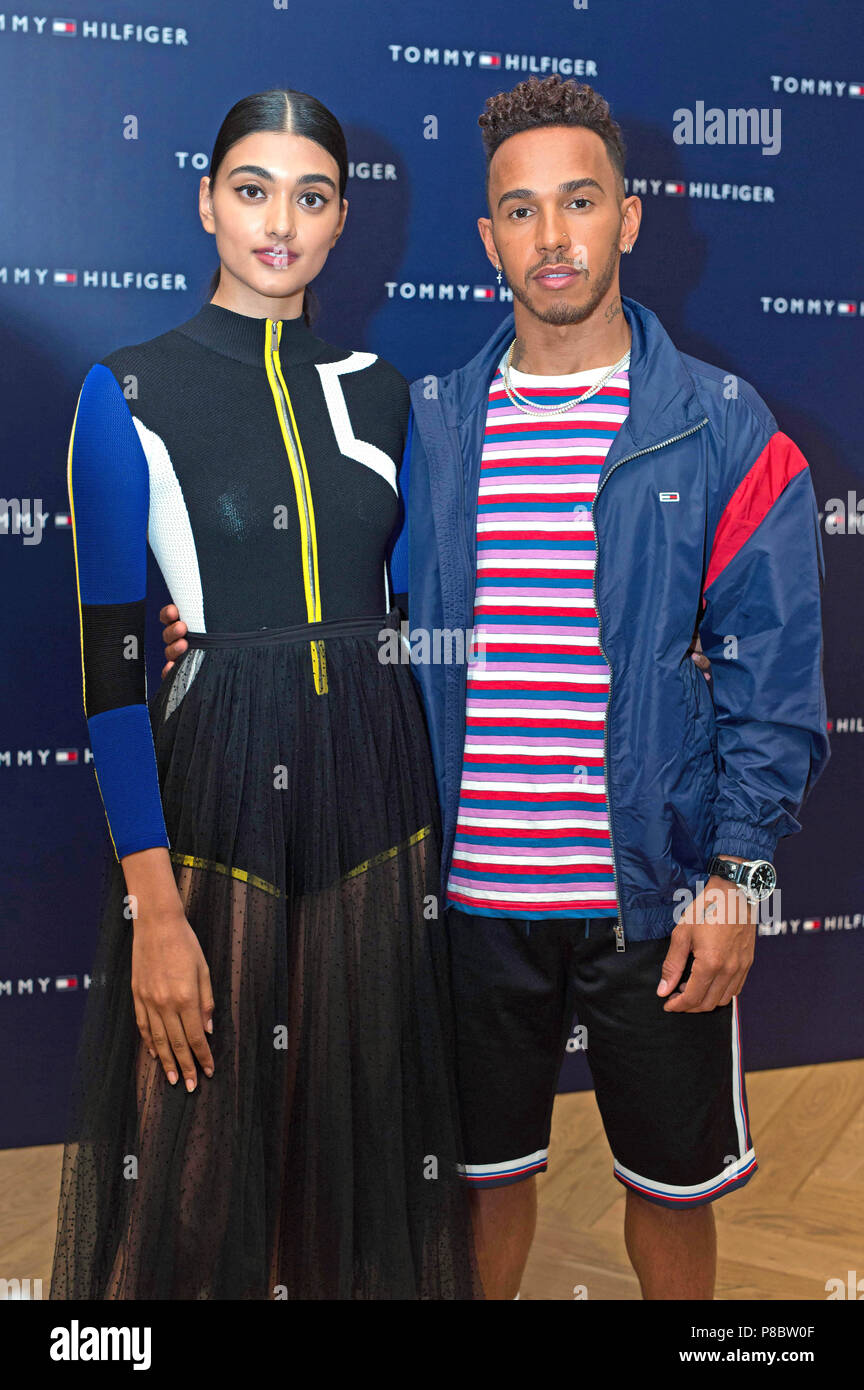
{"points": [[741, 838]]}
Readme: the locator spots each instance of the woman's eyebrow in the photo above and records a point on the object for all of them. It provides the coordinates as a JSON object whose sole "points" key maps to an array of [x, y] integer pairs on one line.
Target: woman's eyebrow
{"points": [[265, 174]]}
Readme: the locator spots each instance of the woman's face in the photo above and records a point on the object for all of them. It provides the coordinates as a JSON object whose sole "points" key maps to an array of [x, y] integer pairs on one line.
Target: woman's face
{"points": [[274, 210]]}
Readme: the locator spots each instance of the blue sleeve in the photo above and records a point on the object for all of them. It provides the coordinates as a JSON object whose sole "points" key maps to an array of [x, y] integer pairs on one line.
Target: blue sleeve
{"points": [[109, 500], [399, 557], [762, 631]]}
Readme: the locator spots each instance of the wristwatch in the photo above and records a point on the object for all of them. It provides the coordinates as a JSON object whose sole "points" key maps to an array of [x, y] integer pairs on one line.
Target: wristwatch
{"points": [[756, 876]]}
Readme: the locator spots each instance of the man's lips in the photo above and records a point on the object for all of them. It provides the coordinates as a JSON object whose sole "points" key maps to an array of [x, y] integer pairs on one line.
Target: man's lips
{"points": [[277, 256], [557, 276]]}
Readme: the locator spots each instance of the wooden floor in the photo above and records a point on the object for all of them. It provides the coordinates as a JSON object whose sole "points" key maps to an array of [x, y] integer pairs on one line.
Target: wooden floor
{"points": [[797, 1223]]}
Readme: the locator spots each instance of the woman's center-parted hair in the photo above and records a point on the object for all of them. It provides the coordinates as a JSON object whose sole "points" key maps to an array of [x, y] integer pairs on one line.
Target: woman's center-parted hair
{"points": [[285, 110], [551, 101]]}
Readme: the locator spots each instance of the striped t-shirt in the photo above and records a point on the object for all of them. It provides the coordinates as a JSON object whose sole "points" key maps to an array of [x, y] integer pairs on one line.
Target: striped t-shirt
{"points": [[532, 836]]}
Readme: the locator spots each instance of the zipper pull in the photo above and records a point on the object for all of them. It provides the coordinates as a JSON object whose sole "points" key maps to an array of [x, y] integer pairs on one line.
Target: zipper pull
{"points": [[319, 666], [619, 936]]}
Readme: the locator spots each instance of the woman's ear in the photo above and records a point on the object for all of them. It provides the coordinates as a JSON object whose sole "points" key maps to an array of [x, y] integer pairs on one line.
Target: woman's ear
{"points": [[340, 226], [205, 204]]}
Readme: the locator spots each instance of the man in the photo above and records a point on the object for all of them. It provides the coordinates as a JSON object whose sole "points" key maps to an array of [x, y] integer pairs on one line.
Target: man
{"points": [[592, 502]]}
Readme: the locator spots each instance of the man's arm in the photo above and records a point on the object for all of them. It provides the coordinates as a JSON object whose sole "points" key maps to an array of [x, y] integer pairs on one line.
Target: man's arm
{"points": [[173, 636], [762, 631]]}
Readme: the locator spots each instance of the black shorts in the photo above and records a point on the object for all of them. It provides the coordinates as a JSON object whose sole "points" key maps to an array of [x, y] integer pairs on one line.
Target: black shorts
{"points": [[669, 1087]]}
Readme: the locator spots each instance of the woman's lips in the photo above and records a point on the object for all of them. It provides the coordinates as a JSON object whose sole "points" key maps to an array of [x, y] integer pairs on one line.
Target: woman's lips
{"points": [[278, 259]]}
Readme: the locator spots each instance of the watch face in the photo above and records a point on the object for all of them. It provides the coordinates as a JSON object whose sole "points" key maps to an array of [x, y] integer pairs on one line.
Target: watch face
{"points": [[763, 880]]}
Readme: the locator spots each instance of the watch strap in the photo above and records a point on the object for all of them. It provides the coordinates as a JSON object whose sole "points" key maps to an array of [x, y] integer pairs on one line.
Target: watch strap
{"points": [[727, 868]]}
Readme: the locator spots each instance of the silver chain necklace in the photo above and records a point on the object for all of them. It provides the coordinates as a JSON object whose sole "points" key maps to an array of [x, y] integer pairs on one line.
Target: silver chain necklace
{"points": [[530, 408]]}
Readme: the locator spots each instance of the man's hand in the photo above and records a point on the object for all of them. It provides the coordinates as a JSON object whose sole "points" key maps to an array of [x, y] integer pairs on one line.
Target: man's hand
{"points": [[696, 654], [719, 927], [172, 636]]}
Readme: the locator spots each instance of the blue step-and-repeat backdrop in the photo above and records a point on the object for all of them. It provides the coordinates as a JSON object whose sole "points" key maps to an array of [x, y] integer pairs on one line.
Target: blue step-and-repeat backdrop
{"points": [[749, 253]]}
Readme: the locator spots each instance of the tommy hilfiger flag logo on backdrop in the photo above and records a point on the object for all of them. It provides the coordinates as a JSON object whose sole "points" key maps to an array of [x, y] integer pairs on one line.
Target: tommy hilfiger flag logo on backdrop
{"points": [[489, 60], [64, 26]]}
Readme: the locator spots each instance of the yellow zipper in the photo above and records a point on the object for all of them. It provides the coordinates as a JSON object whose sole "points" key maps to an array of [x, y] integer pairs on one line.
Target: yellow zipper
{"points": [[303, 492]]}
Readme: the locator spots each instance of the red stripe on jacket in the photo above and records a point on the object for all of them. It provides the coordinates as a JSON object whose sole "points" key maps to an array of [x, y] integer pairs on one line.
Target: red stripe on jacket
{"points": [[752, 500]]}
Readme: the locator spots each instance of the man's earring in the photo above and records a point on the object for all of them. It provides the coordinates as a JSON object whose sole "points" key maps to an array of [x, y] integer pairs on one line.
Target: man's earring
{"points": [[499, 275], [627, 249]]}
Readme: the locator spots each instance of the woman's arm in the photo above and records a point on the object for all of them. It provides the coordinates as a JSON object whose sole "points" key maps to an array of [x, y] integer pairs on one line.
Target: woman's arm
{"points": [[109, 499], [399, 556]]}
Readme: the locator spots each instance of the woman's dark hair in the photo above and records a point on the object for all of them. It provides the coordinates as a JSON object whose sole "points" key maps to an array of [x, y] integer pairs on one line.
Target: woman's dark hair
{"points": [[281, 109]]}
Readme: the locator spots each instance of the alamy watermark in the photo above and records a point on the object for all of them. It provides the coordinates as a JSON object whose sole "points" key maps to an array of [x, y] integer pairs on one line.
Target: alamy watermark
{"points": [[19, 518], [735, 126], [437, 646]]}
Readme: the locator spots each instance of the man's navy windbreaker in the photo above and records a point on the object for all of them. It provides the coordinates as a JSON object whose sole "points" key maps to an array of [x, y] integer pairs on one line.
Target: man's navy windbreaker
{"points": [[738, 555]]}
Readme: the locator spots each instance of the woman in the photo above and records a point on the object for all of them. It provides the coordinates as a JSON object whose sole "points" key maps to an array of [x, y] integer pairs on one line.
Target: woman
{"points": [[273, 816]]}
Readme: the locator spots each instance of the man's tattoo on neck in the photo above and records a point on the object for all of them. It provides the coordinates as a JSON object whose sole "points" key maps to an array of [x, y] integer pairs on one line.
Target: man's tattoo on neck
{"points": [[613, 310]]}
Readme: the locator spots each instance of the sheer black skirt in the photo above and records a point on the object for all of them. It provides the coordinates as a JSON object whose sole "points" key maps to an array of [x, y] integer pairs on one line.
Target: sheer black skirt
{"points": [[320, 1161]]}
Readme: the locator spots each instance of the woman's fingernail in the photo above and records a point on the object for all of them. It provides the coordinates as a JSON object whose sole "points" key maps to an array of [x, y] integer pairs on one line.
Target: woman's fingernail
{"points": [[190, 1084], [208, 1026], [172, 1077]]}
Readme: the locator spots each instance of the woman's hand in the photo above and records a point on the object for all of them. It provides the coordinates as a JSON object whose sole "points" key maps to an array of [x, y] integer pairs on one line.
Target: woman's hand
{"points": [[172, 993], [696, 654]]}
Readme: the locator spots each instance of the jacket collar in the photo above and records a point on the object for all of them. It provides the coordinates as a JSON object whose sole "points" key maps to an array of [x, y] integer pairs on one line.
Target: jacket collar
{"points": [[663, 398], [243, 338]]}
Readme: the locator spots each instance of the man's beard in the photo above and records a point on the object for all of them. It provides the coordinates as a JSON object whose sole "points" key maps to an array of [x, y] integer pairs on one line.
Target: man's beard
{"points": [[560, 312]]}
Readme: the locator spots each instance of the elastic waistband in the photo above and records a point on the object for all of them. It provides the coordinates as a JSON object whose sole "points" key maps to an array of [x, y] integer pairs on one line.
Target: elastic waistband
{"points": [[300, 632]]}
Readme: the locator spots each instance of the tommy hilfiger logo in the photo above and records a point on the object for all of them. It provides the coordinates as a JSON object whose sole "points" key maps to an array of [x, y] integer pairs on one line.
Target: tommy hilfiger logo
{"points": [[496, 62], [94, 29], [669, 496]]}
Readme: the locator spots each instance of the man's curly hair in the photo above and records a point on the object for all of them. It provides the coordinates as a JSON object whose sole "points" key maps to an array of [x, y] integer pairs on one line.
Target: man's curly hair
{"points": [[551, 101]]}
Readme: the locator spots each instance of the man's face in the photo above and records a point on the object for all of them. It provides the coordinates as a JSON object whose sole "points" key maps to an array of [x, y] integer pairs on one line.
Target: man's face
{"points": [[556, 222]]}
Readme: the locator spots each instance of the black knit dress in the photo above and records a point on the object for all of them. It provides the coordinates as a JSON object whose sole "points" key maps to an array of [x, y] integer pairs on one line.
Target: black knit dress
{"points": [[285, 765]]}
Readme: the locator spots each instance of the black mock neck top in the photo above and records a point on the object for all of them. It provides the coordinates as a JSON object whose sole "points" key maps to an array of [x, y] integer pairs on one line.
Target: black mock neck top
{"points": [[261, 465]]}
